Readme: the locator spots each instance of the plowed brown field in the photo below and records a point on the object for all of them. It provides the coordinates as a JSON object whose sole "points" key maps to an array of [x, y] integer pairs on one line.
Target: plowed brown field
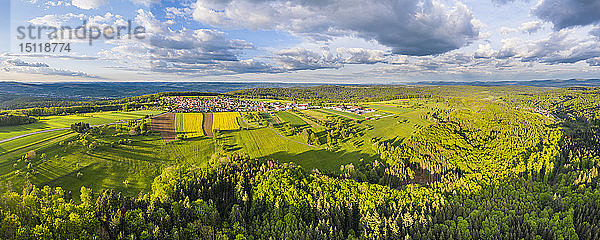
{"points": [[165, 124]]}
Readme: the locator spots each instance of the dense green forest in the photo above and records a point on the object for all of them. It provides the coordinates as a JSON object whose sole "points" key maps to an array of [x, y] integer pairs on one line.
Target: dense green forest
{"points": [[491, 163], [335, 93], [7, 119]]}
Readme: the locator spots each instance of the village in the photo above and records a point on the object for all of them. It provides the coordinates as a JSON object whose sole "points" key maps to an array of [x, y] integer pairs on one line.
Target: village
{"points": [[224, 104]]}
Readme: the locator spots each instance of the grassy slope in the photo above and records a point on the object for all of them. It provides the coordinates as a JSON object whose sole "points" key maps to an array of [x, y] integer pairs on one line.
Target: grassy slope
{"points": [[129, 168], [316, 114], [18, 148], [310, 122], [290, 118], [407, 118], [54, 122], [340, 113], [266, 144], [141, 161]]}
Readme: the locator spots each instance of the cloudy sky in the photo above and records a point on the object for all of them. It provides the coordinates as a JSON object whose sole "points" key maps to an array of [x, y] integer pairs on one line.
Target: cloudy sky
{"points": [[330, 41]]}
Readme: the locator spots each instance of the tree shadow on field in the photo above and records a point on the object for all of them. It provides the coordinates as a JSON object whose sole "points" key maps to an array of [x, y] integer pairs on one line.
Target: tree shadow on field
{"points": [[126, 154], [190, 139], [142, 143], [129, 148], [320, 159], [232, 147], [70, 173]]}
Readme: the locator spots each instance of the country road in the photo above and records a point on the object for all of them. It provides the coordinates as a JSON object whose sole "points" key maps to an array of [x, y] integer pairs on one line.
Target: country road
{"points": [[32, 133]]}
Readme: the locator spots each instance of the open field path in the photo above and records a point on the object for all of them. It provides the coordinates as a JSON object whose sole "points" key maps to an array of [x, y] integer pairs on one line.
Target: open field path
{"points": [[165, 124], [207, 123]]}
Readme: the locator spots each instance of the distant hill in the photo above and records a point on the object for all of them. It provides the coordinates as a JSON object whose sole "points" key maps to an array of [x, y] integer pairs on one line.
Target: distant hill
{"points": [[102, 90], [109, 90], [531, 83]]}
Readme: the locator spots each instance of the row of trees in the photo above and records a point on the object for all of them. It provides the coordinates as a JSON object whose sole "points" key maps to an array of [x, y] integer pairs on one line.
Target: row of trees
{"points": [[14, 120], [53, 111]]}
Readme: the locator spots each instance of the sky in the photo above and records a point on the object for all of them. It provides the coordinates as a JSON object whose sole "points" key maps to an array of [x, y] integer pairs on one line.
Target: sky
{"points": [[318, 41]]}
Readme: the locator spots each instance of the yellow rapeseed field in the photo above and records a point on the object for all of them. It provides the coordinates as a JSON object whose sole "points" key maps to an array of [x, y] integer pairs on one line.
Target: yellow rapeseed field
{"points": [[225, 120], [189, 124]]}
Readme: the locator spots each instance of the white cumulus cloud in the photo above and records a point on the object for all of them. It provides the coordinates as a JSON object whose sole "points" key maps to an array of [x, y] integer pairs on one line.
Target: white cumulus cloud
{"points": [[88, 4], [531, 27], [407, 26]]}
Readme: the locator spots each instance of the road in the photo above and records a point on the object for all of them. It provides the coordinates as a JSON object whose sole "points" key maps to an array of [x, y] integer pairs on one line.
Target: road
{"points": [[32, 133]]}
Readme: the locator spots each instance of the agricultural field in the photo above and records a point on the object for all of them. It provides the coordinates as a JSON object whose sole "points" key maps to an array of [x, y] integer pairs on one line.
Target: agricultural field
{"points": [[307, 120], [290, 118], [388, 108], [189, 124], [126, 163], [19, 147], [164, 124], [322, 116], [133, 165], [340, 113], [54, 122], [266, 143], [225, 121], [267, 118]]}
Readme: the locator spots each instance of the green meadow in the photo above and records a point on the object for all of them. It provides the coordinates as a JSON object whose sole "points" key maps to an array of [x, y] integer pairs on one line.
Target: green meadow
{"points": [[266, 144], [129, 166], [130, 163], [53, 122], [290, 118], [340, 113]]}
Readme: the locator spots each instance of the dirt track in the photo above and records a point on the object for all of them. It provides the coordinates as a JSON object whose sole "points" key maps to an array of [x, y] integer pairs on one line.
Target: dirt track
{"points": [[207, 123], [165, 124]]}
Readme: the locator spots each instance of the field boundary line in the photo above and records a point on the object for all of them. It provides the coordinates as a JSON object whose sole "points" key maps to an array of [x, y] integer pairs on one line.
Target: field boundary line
{"points": [[275, 118]]}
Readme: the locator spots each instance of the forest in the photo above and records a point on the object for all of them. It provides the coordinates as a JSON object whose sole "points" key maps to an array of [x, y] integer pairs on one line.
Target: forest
{"points": [[455, 162]]}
